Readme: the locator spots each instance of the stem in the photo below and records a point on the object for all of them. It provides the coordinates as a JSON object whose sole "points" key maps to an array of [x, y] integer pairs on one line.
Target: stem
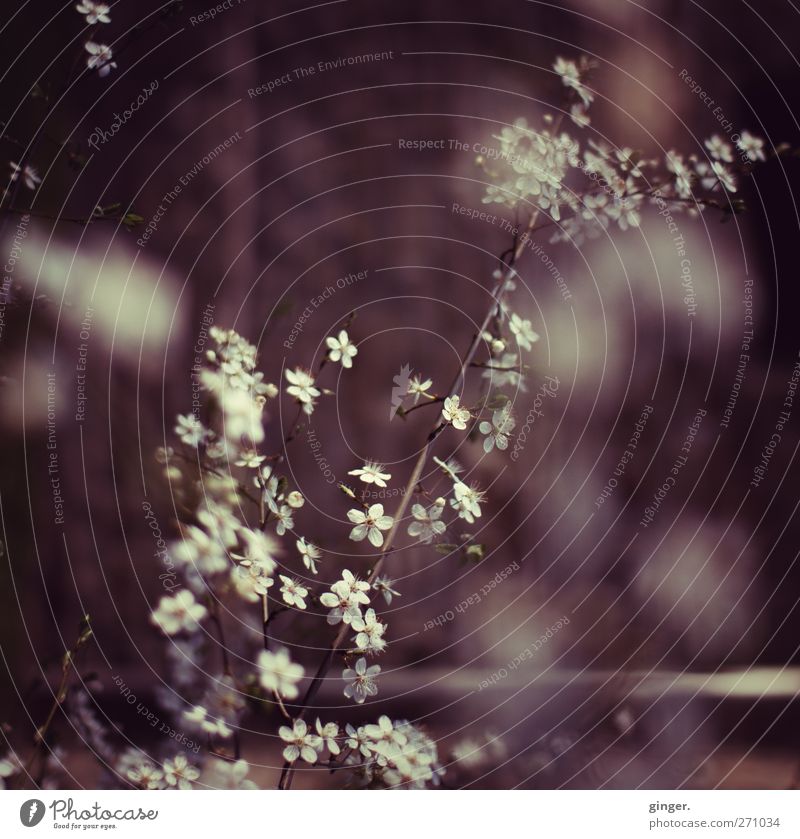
{"points": [[265, 620], [433, 401], [67, 663], [497, 294]]}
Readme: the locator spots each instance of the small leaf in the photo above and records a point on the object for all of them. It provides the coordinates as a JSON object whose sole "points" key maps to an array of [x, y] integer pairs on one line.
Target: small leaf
{"points": [[445, 548]]}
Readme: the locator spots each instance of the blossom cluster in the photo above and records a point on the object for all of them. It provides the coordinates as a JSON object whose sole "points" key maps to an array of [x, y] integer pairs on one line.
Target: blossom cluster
{"points": [[588, 188]]}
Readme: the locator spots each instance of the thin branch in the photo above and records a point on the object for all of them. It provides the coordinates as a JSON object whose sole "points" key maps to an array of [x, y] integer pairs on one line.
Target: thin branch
{"points": [[422, 459]]}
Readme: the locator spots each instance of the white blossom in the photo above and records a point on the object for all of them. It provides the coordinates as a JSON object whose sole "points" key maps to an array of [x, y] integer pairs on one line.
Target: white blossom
{"points": [[384, 584], [293, 592], [341, 349], [94, 12], [279, 674], [226, 774], [418, 387], [190, 430], [99, 59], [531, 166], [146, 776], [362, 680], [719, 149], [202, 553], [427, 524], [250, 458], [369, 524], [752, 146], [371, 473], [283, 518], [310, 554], [571, 78], [328, 734], [251, 581], [29, 175], [522, 331], [467, 501], [295, 499], [455, 414], [370, 631], [301, 387], [241, 415], [498, 429], [346, 598], [725, 176], [301, 742], [199, 718], [179, 773], [178, 612], [505, 371]]}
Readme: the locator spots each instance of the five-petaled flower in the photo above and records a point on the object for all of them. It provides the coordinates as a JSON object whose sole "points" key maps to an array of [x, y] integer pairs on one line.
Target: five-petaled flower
{"points": [[310, 554], [190, 430], [455, 414], [94, 12], [418, 387], [427, 523], [370, 631], [752, 146], [467, 501], [498, 429], [328, 734], [522, 330], [384, 584], [178, 612], [279, 673], [99, 59], [293, 592], [341, 349], [301, 742], [371, 473], [346, 598], [369, 524], [179, 773], [301, 386], [362, 680], [29, 175]]}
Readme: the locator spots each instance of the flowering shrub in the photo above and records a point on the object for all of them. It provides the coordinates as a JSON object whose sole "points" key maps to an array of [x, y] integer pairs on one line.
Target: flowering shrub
{"points": [[245, 547]]}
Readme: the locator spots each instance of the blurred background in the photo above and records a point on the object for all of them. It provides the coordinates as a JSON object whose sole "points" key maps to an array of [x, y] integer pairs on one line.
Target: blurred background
{"points": [[677, 665]]}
